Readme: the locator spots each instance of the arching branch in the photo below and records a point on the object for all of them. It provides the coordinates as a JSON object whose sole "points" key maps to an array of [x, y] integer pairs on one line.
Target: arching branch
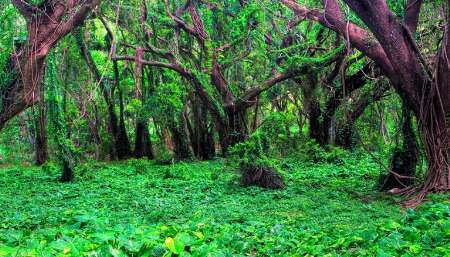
{"points": [[358, 37]]}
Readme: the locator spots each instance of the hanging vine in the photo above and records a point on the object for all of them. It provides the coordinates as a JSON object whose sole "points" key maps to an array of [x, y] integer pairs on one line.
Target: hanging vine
{"points": [[65, 149]]}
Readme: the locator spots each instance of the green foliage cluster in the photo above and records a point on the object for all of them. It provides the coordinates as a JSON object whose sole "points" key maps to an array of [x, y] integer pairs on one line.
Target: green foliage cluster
{"points": [[276, 138], [268, 141], [66, 150], [313, 152], [198, 210], [166, 100], [11, 143]]}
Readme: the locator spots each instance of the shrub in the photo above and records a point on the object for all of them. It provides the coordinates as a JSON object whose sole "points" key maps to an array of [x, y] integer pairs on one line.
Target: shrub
{"points": [[313, 152], [255, 167], [50, 168], [163, 156]]}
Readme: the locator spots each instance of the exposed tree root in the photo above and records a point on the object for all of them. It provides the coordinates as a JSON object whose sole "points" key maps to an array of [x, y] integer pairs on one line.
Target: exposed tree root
{"points": [[265, 177]]}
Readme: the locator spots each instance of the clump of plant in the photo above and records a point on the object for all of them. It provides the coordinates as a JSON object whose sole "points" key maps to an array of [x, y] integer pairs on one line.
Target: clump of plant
{"points": [[311, 151], [88, 169], [255, 167], [50, 168], [139, 165], [284, 137], [163, 156]]}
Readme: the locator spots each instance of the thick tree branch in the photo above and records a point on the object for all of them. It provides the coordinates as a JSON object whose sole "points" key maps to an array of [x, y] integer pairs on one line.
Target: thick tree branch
{"points": [[249, 96], [46, 26], [358, 37], [187, 74], [25, 8], [374, 95], [76, 19], [180, 23], [412, 13]]}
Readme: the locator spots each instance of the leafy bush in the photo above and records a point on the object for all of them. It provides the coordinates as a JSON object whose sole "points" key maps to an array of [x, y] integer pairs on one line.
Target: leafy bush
{"points": [[50, 168], [139, 165], [277, 128], [163, 155], [276, 138], [313, 152], [255, 167]]}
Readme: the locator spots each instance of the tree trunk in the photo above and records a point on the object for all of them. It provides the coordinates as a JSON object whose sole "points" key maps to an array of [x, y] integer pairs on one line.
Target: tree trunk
{"points": [[123, 143], [404, 160], [179, 139], [315, 129], [143, 144], [234, 130], [201, 136], [96, 124], [425, 90], [67, 174], [41, 135], [345, 136], [46, 26]]}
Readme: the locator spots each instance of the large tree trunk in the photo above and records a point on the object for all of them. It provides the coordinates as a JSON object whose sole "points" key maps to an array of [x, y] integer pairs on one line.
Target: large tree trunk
{"points": [[403, 161], [201, 135], [143, 145], [179, 139], [427, 95], [436, 147], [47, 23], [316, 131], [123, 147]]}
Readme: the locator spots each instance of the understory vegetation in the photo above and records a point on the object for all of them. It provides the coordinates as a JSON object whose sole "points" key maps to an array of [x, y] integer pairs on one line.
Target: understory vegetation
{"points": [[138, 208]]}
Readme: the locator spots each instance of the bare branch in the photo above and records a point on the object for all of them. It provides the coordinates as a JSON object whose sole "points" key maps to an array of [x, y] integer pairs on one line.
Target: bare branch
{"points": [[248, 97], [25, 8], [182, 24]]}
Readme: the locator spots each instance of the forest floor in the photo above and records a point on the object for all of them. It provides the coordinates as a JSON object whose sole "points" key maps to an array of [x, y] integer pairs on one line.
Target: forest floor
{"points": [[138, 208]]}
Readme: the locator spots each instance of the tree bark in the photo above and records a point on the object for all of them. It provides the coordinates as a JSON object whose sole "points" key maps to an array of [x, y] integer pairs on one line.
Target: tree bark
{"points": [[396, 53], [403, 161], [143, 145], [41, 135], [179, 139], [201, 135], [47, 23]]}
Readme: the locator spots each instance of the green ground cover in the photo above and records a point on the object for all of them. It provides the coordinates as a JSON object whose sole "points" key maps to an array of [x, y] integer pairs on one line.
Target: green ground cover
{"points": [[138, 208]]}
